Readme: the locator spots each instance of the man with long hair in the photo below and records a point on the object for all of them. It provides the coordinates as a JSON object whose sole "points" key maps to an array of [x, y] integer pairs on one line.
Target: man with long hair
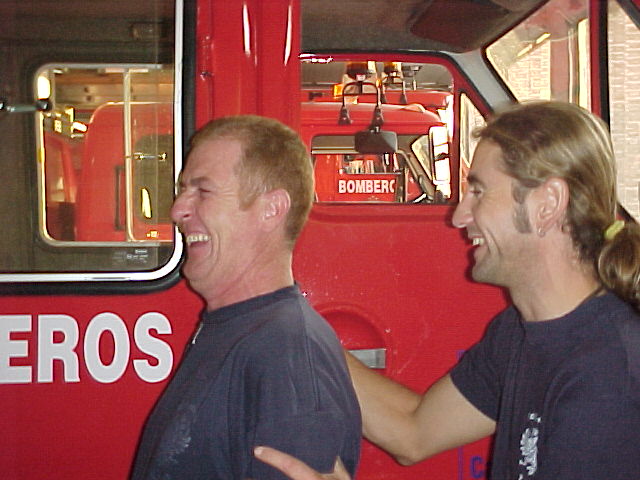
{"points": [[556, 377]]}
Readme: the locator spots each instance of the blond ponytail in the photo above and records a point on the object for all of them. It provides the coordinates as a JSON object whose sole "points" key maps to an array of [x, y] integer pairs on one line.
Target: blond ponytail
{"points": [[618, 264]]}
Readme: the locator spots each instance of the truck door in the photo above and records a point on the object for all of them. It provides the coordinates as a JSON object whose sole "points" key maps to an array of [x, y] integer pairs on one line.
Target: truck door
{"points": [[378, 257]]}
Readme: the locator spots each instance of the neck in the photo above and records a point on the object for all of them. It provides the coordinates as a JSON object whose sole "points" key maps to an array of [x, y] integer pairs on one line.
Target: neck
{"points": [[556, 280], [265, 274], [556, 296]]}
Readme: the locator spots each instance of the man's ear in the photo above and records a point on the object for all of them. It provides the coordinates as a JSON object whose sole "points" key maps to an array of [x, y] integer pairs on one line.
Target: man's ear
{"points": [[275, 206], [551, 201]]}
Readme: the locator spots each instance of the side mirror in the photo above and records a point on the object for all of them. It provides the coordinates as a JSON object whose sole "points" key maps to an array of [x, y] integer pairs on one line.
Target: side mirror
{"points": [[376, 141]]}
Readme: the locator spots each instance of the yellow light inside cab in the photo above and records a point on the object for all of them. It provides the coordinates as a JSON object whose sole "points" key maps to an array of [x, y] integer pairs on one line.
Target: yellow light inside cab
{"points": [[146, 203], [43, 87]]}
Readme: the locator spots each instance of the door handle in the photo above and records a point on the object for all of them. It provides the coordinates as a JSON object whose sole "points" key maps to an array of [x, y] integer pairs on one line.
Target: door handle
{"points": [[372, 357]]}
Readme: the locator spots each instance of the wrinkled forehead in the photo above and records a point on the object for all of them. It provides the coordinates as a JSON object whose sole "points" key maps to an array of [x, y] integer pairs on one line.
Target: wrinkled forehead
{"points": [[212, 157]]}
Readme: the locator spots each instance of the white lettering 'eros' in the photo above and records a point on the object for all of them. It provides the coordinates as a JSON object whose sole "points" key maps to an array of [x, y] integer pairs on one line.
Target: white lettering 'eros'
{"points": [[105, 348]]}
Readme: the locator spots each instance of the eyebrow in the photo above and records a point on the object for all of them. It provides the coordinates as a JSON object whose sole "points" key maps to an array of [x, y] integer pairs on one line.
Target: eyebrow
{"points": [[193, 181], [181, 184], [473, 178]]}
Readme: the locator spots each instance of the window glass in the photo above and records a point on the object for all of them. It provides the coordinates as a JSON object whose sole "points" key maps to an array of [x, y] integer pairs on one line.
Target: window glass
{"points": [[351, 108], [470, 121], [108, 154], [88, 134], [547, 55], [624, 103], [409, 175]]}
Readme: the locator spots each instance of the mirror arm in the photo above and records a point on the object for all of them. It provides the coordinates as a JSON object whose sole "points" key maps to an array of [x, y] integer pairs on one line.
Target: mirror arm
{"points": [[40, 105]]}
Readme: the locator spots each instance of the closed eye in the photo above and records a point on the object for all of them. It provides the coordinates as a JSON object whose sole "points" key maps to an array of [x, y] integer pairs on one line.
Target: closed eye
{"points": [[475, 191], [476, 187], [204, 191]]}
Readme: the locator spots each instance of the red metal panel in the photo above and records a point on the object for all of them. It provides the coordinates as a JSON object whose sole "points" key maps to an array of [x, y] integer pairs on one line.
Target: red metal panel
{"points": [[278, 64], [82, 429], [595, 45], [395, 277], [248, 59]]}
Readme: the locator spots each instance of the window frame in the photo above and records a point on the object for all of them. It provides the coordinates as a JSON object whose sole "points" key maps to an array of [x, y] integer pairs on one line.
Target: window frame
{"points": [[116, 280]]}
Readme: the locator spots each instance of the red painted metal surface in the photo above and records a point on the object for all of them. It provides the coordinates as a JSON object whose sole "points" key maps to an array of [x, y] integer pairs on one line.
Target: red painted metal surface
{"points": [[394, 277], [63, 429], [247, 59]]}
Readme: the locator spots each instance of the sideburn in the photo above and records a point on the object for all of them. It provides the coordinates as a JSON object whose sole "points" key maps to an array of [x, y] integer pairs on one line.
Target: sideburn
{"points": [[520, 212]]}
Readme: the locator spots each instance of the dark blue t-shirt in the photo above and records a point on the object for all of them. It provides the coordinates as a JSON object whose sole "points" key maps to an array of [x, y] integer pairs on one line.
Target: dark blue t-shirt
{"points": [[565, 393], [267, 371]]}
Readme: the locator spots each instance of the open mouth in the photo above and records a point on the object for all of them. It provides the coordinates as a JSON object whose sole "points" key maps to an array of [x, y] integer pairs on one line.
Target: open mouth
{"points": [[196, 237], [476, 241]]}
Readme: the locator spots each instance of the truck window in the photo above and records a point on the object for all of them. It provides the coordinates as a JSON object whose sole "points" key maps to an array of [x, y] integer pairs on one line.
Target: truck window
{"points": [[547, 55], [410, 175], [91, 140], [413, 101], [107, 145], [470, 121]]}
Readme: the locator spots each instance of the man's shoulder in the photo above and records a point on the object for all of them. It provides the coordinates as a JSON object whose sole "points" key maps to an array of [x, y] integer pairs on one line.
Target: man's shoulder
{"points": [[294, 317], [627, 323], [611, 312], [606, 357], [290, 325], [504, 321]]}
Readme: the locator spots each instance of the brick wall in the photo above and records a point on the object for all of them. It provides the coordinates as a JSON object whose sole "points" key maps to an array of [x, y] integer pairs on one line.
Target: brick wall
{"points": [[624, 98]]}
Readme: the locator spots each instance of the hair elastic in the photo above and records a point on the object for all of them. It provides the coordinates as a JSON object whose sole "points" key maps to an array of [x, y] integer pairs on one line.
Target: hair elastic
{"points": [[613, 230]]}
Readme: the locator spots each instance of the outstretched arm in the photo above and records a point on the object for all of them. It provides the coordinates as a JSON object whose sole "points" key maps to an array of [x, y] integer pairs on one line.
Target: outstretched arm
{"points": [[412, 427], [296, 469]]}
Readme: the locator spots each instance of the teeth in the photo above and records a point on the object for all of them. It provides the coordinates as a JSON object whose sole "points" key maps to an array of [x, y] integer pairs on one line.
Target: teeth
{"points": [[197, 237], [477, 241]]}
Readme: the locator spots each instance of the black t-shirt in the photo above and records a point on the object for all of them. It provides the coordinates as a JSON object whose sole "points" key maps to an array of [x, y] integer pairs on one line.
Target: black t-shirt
{"points": [[565, 393], [267, 371]]}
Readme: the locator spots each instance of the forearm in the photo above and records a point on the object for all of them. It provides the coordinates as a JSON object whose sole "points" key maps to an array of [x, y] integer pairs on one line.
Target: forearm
{"points": [[412, 427], [388, 412]]}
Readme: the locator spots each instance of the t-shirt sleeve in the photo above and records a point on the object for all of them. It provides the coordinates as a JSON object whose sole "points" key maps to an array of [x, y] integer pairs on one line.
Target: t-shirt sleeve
{"points": [[314, 438], [295, 398], [479, 373]]}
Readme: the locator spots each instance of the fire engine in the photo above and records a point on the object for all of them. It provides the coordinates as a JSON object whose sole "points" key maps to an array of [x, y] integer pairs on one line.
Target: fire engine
{"points": [[97, 105]]}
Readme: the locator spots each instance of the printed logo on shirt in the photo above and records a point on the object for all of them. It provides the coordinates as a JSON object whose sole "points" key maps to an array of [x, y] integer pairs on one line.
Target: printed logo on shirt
{"points": [[529, 447]]}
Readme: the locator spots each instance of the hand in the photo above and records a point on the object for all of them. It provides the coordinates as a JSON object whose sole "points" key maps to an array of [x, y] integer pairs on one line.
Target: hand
{"points": [[297, 469]]}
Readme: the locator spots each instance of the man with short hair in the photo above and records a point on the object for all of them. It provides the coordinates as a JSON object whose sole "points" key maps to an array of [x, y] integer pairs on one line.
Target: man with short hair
{"points": [[556, 377], [262, 362]]}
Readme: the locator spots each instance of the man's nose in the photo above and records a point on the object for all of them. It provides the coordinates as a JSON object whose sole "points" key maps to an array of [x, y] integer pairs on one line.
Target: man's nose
{"points": [[181, 209], [462, 214]]}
